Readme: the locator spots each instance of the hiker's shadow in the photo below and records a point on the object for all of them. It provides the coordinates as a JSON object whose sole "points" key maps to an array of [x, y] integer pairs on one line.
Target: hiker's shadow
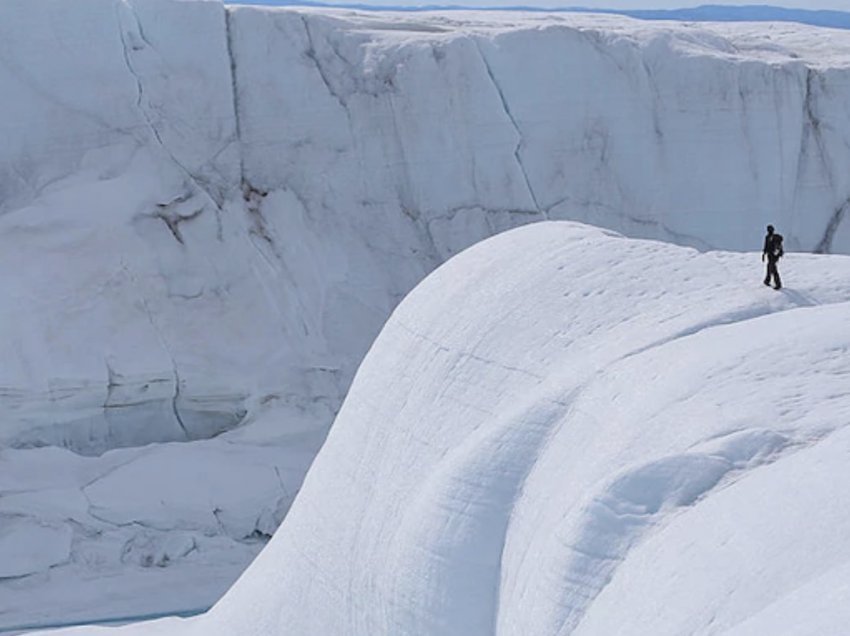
{"points": [[798, 298]]}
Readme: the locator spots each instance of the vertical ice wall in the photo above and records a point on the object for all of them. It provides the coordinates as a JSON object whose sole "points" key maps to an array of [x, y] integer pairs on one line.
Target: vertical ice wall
{"points": [[685, 134], [119, 152], [295, 173]]}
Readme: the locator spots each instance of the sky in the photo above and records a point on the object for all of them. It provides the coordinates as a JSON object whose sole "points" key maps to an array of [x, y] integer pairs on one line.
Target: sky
{"points": [[839, 5]]}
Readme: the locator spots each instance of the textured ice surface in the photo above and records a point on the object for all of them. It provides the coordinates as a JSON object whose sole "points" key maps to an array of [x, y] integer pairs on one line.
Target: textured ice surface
{"points": [[206, 215]]}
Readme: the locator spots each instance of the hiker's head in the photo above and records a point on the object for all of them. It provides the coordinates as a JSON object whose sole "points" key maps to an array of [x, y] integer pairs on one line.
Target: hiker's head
{"points": [[770, 229]]}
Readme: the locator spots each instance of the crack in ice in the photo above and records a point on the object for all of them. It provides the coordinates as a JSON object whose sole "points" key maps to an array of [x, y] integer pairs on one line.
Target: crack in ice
{"points": [[140, 98], [520, 138], [824, 246]]}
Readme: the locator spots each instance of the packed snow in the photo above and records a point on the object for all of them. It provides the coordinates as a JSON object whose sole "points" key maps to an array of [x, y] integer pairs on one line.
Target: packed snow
{"points": [[562, 430], [207, 214]]}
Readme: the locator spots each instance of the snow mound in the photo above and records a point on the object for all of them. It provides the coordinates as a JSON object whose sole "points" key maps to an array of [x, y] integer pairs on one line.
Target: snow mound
{"points": [[565, 431]]}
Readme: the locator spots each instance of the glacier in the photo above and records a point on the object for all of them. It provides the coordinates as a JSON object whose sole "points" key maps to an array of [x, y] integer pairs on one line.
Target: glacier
{"points": [[545, 440], [207, 213]]}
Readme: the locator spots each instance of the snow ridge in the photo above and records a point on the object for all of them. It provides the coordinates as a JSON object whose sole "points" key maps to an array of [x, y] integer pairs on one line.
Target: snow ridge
{"points": [[487, 478]]}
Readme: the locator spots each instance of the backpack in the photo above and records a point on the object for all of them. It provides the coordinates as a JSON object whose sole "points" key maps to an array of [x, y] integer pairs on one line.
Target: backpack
{"points": [[776, 246]]}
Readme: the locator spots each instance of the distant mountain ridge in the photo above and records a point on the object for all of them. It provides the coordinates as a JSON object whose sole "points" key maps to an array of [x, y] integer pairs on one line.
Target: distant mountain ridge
{"points": [[704, 13]]}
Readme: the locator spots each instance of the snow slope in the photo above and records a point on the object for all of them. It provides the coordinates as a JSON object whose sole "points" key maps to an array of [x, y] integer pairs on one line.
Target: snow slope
{"points": [[207, 213], [565, 431]]}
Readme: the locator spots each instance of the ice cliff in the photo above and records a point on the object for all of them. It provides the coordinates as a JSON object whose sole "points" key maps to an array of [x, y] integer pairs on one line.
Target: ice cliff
{"points": [[207, 213]]}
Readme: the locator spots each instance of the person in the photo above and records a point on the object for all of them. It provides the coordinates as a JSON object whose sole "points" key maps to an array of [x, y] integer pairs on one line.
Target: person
{"points": [[773, 251]]}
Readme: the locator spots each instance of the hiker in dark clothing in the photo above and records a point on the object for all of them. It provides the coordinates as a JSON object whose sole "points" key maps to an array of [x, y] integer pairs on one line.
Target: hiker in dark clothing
{"points": [[773, 251]]}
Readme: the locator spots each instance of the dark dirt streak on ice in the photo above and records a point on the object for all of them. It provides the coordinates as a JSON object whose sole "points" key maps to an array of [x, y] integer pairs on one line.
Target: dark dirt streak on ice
{"points": [[146, 117]]}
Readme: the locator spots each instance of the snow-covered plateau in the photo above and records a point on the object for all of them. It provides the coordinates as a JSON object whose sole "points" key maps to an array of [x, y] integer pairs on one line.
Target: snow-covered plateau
{"points": [[207, 213], [564, 431]]}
